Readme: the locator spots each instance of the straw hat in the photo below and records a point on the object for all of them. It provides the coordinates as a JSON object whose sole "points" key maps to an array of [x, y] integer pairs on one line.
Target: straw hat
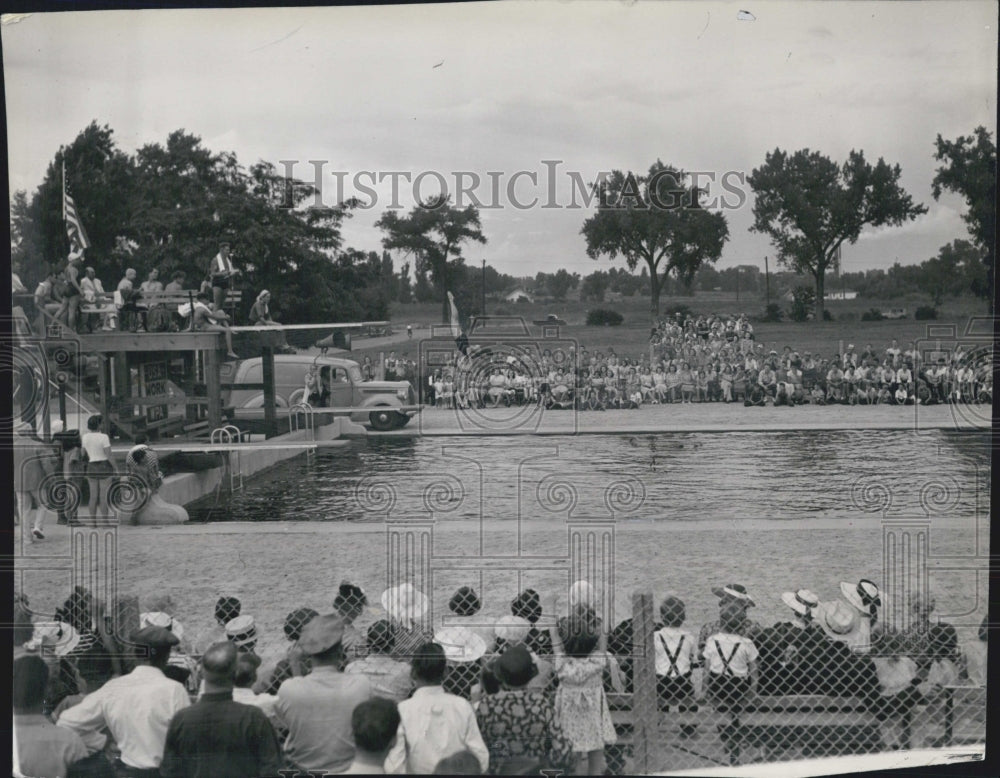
{"points": [[838, 621], [161, 619], [803, 601], [512, 629], [241, 631], [404, 603], [59, 635], [734, 591], [460, 644], [861, 595], [322, 633]]}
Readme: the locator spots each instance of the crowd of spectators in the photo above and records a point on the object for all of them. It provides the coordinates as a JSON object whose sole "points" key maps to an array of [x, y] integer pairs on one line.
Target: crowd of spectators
{"points": [[713, 359], [508, 695]]}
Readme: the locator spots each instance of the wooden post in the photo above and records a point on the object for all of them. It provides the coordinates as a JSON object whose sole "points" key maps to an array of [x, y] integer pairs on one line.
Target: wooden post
{"points": [[62, 403], [645, 711], [102, 383], [267, 363], [381, 366], [213, 388]]}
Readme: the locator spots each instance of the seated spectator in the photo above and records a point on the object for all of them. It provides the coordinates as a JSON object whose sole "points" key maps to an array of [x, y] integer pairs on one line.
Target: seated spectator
{"points": [[152, 282], [176, 284], [350, 602], [374, 725], [260, 312], [898, 687], [793, 658], [520, 723], [463, 650], [316, 709], [973, 655], [243, 683], [294, 662], [206, 319], [226, 609], [407, 607], [435, 724], [40, 747], [389, 677], [730, 593]]}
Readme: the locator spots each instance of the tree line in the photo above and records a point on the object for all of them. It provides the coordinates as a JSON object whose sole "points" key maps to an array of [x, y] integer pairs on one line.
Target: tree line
{"points": [[167, 206]]}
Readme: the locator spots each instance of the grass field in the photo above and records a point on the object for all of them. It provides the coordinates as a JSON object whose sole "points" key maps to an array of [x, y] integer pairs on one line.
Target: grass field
{"points": [[632, 337]]}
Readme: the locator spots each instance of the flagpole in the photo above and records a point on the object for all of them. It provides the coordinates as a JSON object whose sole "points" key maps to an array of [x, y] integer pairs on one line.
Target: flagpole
{"points": [[64, 189]]}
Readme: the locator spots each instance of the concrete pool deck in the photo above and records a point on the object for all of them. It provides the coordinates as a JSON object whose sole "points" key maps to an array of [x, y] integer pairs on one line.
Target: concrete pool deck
{"points": [[697, 417]]}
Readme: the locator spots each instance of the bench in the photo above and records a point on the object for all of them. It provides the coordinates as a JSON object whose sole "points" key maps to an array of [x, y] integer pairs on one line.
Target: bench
{"points": [[172, 301], [794, 726]]}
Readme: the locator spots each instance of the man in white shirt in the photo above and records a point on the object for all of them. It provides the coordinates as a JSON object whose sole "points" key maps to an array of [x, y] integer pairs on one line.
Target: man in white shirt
{"points": [[136, 708], [389, 677], [94, 294], [435, 724]]}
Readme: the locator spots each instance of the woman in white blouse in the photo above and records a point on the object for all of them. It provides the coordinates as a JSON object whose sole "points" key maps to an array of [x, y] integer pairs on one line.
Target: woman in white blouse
{"points": [[97, 449]]}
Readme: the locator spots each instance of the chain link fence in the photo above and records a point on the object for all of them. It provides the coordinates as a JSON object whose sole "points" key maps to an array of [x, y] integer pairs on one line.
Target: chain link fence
{"points": [[783, 693]]}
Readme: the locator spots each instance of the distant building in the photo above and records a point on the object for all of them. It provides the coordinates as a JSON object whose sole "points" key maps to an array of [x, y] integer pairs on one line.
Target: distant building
{"points": [[519, 295], [840, 294]]}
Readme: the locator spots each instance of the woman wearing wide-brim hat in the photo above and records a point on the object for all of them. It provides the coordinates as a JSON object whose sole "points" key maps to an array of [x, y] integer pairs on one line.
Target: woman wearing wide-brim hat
{"points": [[463, 650], [864, 598], [406, 608]]}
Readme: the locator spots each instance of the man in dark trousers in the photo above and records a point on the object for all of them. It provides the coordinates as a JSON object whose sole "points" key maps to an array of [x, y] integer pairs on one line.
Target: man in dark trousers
{"points": [[216, 737], [221, 272]]}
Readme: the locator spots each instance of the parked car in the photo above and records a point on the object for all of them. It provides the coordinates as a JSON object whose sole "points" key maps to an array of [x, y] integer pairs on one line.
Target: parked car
{"points": [[549, 319], [895, 313], [343, 376]]}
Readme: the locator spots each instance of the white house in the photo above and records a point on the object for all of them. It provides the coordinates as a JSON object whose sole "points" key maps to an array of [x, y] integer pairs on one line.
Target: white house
{"points": [[517, 295], [840, 294]]}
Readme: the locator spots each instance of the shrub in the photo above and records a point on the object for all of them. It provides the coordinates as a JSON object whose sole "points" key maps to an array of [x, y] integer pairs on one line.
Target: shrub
{"points": [[673, 310], [873, 314], [604, 317], [827, 316], [772, 313], [501, 311], [925, 312]]}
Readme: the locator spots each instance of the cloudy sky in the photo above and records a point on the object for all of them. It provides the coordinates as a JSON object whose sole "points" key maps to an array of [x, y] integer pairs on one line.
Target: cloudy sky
{"points": [[495, 89]]}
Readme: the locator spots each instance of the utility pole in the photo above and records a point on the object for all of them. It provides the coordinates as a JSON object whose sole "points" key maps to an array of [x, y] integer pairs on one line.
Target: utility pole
{"points": [[737, 283], [484, 288], [767, 282]]}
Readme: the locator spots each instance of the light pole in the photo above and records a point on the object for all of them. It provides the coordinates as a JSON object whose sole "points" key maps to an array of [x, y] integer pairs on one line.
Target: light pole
{"points": [[767, 282], [484, 288]]}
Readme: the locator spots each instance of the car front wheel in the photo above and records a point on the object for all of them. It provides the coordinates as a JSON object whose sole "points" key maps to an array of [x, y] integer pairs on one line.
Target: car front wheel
{"points": [[383, 419]]}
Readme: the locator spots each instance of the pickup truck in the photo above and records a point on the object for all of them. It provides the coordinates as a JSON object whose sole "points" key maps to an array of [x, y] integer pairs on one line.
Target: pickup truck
{"points": [[380, 399]]}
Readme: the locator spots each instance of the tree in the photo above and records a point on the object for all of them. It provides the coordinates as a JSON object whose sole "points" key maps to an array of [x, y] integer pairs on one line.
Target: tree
{"points": [[803, 300], [957, 268], [404, 284], [656, 219], [433, 233], [560, 282], [594, 286], [809, 206], [970, 169]]}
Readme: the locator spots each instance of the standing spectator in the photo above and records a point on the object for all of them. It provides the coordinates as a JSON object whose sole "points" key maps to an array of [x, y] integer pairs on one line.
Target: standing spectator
{"points": [[514, 631], [217, 737], [97, 450], [70, 448], [676, 657], [582, 709], [731, 672], [528, 606], [40, 747], [899, 679], [132, 316], [520, 724], [316, 709], [33, 464], [730, 593], [221, 272], [47, 300], [435, 724], [374, 725], [135, 708], [389, 677], [463, 650], [176, 284], [72, 294]]}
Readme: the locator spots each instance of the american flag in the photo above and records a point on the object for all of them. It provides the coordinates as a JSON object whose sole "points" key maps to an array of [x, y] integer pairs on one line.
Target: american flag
{"points": [[74, 227]]}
